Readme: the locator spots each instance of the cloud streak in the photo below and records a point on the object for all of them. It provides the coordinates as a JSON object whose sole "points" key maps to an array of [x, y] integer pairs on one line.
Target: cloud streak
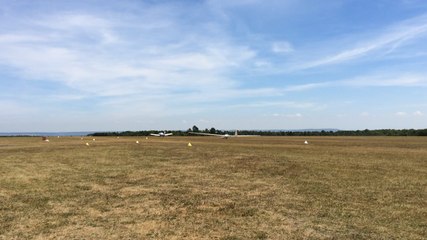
{"points": [[374, 80], [387, 42], [100, 62]]}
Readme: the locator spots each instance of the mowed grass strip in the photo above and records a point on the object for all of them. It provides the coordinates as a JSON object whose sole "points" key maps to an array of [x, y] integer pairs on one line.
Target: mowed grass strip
{"points": [[248, 188]]}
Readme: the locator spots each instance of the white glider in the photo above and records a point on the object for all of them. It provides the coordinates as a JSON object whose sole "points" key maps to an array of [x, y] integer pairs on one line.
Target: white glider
{"points": [[226, 136]]}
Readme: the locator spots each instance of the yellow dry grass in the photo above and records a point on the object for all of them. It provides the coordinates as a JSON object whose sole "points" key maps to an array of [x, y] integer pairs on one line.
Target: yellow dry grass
{"points": [[248, 188]]}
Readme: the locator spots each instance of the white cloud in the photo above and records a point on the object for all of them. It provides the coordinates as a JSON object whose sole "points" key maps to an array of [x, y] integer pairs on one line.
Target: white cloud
{"points": [[235, 3], [401, 114], [296, 115], [85, 54], [374, 80], [280, 105], [387, 80], [72, 26], [305, 87], [387, 41], [9, 38], [418, 113], [282, 47], [292, 115]]}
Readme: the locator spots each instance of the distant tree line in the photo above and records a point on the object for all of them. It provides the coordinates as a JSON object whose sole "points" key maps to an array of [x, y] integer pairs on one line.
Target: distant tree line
{"points": [[366, 132]]}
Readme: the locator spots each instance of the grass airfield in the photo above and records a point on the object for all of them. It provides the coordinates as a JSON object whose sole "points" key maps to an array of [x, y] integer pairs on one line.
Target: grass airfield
{"points": [[240, 188]]}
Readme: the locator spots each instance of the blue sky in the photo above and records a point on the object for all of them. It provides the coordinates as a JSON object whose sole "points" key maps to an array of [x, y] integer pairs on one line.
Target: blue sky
{"points": [[242, 64]]}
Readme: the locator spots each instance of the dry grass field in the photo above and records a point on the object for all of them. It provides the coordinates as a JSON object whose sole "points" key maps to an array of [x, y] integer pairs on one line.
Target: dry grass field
{"points": [[246, 188]]}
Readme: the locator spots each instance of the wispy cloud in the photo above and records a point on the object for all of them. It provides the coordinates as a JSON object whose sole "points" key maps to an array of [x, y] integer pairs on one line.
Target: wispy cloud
{"points": [[401, 114], [291, 115], [282, 47], [279, 104], [386, 80], [373, 80], [84, 24], [418, 113], [308, 86], [90, 54], [386, 41]]}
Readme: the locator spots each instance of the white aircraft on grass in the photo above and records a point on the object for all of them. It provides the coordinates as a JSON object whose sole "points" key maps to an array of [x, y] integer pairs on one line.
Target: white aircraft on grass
{"points": [[161, 134], [226, 136]]}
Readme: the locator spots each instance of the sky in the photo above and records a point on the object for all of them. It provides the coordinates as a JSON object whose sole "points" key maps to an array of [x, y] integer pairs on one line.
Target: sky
{"points": [[230, 64]]}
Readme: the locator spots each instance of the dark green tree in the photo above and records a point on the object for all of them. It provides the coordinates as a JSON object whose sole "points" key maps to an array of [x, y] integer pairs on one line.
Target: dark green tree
{"points": [[195, 128]]}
